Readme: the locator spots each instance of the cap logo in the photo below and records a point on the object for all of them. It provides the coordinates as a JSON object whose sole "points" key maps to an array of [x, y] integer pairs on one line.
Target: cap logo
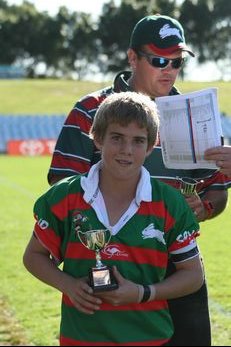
{"points": [[166, 31]]}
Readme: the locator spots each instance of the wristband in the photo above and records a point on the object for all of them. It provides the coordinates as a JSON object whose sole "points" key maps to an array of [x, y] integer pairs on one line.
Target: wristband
{"points": [[153, 292], [140, 292], [147, 294], [209, 208]]}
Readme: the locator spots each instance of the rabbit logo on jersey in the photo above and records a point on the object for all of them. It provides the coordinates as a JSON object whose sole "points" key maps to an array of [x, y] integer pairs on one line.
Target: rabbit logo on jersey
{"points": [[151, 233]]}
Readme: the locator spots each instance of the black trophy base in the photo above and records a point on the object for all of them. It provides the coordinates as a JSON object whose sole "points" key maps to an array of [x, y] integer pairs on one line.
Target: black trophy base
{"points": [[102, 279]]}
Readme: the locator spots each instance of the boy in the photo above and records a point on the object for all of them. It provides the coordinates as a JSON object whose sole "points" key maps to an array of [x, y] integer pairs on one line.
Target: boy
{"points": [[148, 220]]}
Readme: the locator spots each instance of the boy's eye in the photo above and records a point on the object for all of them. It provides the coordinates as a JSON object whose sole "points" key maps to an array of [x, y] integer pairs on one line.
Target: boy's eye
{"points": [[139, 141], [115, 137]]}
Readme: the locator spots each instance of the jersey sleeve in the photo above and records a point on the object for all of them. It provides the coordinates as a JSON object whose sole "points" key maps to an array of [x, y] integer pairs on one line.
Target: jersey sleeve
{"points": [[181, 237], [213, 180], [48, 229]]}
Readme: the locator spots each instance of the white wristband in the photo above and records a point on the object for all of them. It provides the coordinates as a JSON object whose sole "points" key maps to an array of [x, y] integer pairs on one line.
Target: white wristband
{"points": [[153, 292], [140, 292]]}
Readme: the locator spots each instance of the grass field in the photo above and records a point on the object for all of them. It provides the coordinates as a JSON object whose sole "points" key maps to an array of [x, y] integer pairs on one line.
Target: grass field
{"points": [[55, 96], [29, 310]]}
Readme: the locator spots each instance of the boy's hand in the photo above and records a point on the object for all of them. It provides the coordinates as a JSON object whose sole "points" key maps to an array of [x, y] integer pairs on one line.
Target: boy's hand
{"points": [[81, 295], [127, 293]]}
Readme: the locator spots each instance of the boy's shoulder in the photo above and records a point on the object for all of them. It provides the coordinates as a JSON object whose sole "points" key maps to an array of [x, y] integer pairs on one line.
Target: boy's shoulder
{"points": [[63, 188]]}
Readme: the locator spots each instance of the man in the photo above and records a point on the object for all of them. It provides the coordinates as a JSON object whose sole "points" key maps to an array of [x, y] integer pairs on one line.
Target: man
{"points": [[156, 53]]}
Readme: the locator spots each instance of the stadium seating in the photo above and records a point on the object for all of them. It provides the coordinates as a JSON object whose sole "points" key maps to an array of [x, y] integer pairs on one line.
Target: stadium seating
{"points": [[24, 127]]}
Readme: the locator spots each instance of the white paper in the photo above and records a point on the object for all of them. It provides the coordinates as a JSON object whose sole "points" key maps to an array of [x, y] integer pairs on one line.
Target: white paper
{"points": [[189, 124]]}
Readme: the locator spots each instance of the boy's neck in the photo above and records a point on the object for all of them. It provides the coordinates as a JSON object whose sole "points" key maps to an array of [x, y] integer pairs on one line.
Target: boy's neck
{"points": [[117, 196]]}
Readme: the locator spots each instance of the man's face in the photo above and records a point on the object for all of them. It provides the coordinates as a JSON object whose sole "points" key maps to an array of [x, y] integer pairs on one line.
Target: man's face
{"points": [[149, 79]]}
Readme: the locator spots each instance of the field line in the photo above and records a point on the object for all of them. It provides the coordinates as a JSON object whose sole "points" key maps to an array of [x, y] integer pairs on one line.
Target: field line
{"points": [[218, 308], [15, 186]]}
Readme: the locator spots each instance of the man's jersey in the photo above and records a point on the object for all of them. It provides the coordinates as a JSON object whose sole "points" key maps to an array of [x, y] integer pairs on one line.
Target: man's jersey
{"points": [[75, 152], [160, 228]]}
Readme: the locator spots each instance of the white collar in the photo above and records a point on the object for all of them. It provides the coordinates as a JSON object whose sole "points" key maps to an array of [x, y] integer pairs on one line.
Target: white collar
{"points": [[90, 185]]}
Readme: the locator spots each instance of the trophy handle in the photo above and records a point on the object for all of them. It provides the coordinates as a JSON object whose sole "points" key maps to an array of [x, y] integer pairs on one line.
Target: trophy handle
{"points": [[95, 240], [188, 185], [82, 235]]}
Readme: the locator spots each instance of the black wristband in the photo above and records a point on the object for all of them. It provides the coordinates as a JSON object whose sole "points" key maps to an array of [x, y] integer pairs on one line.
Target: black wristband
{"points": [[147, 294]]}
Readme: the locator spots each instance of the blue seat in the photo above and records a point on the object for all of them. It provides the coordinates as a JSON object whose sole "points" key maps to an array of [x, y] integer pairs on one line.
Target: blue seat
{"points": [[24, 127]]}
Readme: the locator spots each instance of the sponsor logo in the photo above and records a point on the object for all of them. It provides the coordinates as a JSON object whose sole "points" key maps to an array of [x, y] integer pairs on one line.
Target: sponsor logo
{"points": [[166, 31], [151, 233], [114, 251], [186, 235], [43, 224]]}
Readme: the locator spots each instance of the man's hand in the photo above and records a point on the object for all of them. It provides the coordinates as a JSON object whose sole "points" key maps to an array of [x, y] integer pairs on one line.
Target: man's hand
{"points": [[222, 156], [197, 207]]}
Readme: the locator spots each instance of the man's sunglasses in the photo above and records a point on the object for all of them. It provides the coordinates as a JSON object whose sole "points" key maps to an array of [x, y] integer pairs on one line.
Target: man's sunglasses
{"points": [[161, 62]]}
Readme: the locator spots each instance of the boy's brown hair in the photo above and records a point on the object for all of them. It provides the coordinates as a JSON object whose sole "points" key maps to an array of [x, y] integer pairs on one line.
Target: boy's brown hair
{"points": [[125, 108]]}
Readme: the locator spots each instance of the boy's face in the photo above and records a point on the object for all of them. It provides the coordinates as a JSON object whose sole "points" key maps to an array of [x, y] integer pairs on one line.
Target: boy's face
{"points": [[124, 149]]}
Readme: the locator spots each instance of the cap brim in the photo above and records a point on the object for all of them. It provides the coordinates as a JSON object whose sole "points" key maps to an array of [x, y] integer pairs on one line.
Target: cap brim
{"points": [[170, 50]]}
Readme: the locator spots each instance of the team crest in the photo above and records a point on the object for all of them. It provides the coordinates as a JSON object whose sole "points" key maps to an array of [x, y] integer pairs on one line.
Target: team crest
{"points": [[151, 233], [80, 222]]}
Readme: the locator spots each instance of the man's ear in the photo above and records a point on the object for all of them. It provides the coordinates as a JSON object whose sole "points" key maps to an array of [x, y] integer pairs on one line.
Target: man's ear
{"points": [[132, 58]]}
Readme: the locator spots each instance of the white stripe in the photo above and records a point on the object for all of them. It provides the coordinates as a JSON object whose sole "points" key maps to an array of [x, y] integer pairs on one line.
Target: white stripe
{"points": [[84, 112], [72, 155], [76, 127], [185, 249]]}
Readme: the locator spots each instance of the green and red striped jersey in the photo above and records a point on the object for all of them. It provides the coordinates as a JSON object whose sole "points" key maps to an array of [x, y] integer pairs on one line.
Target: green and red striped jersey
{"points": [[161, 228]]}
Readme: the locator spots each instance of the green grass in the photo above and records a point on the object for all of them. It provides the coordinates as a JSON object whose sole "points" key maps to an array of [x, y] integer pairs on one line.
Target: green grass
{"points": [[215, 245], [58, 96], [35, 306]]}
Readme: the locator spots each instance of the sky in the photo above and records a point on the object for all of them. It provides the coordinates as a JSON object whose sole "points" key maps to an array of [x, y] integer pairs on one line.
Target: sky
{"points": [[205, 72], [52, 6]]}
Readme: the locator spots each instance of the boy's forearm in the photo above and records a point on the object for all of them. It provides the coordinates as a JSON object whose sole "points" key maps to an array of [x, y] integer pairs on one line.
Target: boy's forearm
{"points": [[182, 282], [44, 268]]}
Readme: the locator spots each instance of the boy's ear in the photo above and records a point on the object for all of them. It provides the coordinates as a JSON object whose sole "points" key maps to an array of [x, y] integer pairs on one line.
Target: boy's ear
{"points": [[98, 143], [149, 150]]}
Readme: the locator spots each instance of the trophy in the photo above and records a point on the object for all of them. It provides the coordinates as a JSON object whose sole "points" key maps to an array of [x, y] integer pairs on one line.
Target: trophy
{"points": [[100, 277], [188, 185]]}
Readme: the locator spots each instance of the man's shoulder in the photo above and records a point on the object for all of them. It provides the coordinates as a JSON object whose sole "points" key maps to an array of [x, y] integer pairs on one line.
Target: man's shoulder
{"points": [[163, 188], [94, 99]]}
